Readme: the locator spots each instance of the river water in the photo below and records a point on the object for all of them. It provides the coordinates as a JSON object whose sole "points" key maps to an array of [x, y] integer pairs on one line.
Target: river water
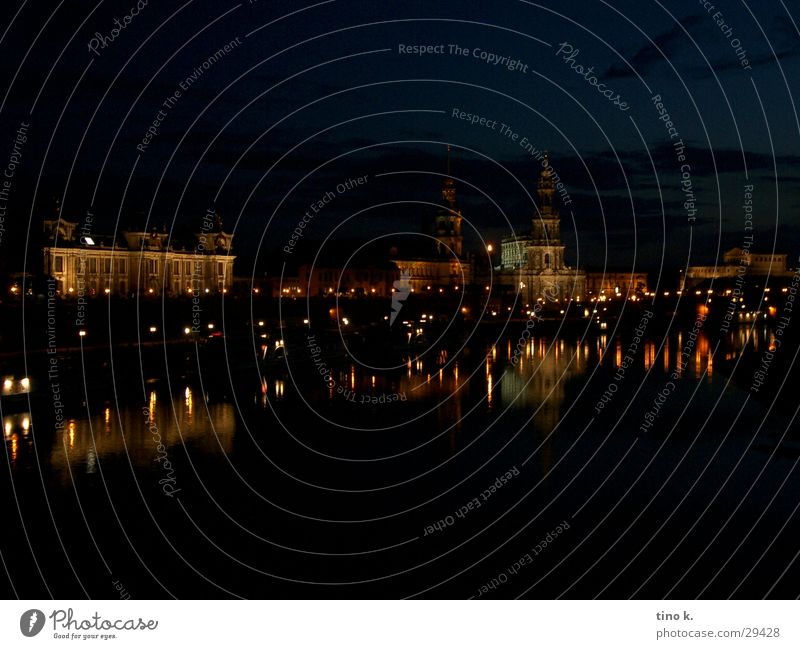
{"points": [[443, 475]]}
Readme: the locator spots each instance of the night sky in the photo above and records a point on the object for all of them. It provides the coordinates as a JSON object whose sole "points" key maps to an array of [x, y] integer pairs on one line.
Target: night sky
{"points": [[308, 95]]}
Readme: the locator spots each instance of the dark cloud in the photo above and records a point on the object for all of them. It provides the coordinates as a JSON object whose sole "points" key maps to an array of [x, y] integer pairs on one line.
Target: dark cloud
{"points": [[646, 56], [784, 41]]}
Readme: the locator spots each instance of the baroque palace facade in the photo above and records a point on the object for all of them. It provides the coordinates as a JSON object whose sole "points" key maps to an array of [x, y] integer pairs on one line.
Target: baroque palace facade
{"points": [[737, 262], [84, 263]]}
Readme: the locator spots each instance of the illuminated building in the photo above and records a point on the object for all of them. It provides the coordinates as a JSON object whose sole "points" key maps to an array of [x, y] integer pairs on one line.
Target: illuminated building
{"points": [[616, 282], [534, 262], [363, 280], [439, 263], [738, 261], [85, 263]]}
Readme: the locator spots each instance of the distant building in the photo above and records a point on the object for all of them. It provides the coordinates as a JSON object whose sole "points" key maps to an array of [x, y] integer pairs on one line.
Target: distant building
{"points": [[367, 280], [335, 273], [85, 263], [288, 285], [438, 262], [616, 282], [738, 261], [534, 262]]}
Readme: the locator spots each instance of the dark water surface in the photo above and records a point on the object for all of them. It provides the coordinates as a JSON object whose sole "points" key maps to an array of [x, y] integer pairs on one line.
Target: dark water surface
{"points": [[450, 475]]}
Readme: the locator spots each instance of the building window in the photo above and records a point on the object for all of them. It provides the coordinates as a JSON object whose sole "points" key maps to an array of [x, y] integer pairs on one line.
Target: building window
{"points": [[187, 268], [220, 268], [547, 260], [151, 266], [59, 264], [122, 265], [93, 265], [176, 268], [107, 266]]}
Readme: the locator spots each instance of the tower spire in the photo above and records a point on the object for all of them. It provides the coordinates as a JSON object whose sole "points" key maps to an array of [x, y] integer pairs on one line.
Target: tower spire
{"points": [[449, 186], [448, 220], [546, 189]]}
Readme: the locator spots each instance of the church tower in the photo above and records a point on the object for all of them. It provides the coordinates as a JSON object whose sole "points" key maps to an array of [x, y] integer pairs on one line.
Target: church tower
{"points": [[447, 223], [546, 252]]}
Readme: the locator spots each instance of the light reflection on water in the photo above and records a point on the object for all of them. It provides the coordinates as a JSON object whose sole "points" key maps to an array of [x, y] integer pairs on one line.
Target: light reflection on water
{"points": [[17, 434], [538, 383], [113, 434]]}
